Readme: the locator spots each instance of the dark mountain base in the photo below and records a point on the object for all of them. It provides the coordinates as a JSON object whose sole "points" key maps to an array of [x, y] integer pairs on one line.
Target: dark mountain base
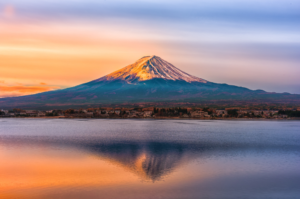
{"points": [[155, 92]]}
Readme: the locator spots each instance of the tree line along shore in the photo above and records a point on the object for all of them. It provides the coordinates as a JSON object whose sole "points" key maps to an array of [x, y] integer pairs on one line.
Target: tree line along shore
{"points": [[153, 112]]}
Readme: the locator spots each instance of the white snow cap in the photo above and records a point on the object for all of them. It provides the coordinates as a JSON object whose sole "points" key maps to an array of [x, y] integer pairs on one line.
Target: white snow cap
{"points": [[150, 67]]}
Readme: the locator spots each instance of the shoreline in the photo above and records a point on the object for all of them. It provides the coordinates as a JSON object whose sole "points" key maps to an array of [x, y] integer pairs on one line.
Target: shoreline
{"points": [[161, 118]]}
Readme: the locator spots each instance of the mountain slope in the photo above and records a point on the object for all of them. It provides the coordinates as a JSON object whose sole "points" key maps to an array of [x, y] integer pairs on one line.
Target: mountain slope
{"points": [[151, 80]]}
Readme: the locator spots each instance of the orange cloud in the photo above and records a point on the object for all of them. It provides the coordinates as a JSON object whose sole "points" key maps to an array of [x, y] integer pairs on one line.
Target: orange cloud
{"points": [[9, 11], [13, 91], [38, 172], [42, 83]]}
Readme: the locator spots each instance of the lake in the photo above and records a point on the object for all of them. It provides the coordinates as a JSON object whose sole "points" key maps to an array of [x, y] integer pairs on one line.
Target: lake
{"points": [[141, 159]]}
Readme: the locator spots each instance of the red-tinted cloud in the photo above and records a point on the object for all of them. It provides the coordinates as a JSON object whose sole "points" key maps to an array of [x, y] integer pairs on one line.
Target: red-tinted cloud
{"points": [[9, 11], [12, 91]]}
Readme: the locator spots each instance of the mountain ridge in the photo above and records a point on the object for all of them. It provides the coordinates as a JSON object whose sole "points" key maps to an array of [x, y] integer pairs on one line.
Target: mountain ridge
{"points": [[148, 80]]}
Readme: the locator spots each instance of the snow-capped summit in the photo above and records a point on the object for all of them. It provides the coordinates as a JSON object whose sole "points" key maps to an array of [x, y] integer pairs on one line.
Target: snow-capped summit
{"points": [[150, 67]]}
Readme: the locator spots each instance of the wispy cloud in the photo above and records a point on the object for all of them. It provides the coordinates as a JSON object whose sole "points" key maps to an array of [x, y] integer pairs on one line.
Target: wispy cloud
{"points": [[8, 11], [221, 19], [251, 43], [268, 13], [12, 91]]}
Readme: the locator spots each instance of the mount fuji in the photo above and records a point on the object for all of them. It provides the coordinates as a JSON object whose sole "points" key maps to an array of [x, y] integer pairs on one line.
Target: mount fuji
{"points": [[148, 80]]}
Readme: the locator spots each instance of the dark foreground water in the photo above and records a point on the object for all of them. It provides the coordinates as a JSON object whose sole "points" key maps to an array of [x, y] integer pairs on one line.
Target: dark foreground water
{"points": [[178, 159]]}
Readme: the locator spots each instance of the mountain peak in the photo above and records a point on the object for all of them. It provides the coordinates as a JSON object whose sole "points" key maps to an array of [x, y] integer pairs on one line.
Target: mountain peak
{"points": [[150, 57], [150, 67]]}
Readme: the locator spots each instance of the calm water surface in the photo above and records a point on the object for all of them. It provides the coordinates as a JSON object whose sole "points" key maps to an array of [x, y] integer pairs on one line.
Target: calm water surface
{"points": [[77, 158]]}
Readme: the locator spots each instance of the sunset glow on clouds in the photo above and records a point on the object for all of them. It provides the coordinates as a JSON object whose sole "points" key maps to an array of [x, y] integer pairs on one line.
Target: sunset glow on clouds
{"points": [[19, 89], [8, 11], [253, 44], [9, 91]]}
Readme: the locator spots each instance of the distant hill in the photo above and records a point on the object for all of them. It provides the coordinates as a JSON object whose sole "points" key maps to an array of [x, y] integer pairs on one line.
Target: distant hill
{"points": [[149, 80]]}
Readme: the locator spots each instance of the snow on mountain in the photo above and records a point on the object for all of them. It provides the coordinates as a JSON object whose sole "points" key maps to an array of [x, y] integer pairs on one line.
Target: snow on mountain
{"points": [[150, 67]]}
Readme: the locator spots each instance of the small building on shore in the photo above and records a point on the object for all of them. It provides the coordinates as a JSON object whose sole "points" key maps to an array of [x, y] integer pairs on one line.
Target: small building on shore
{"points": [[198, 114], [4, 111], [221, 113], [31, 113], [41, 114], [148, 113], [89, 114]]}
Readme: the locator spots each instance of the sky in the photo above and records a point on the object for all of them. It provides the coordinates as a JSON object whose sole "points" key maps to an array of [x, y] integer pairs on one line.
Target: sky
{"points": [[54, 44]]}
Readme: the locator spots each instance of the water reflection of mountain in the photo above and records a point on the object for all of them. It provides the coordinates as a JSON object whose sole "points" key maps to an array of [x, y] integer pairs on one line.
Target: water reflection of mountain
{"points": [[151, 160]]}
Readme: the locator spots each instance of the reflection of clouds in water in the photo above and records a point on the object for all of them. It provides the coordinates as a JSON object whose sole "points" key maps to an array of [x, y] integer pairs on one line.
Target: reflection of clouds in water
{"points": [[215, 159], [150, 160]]}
